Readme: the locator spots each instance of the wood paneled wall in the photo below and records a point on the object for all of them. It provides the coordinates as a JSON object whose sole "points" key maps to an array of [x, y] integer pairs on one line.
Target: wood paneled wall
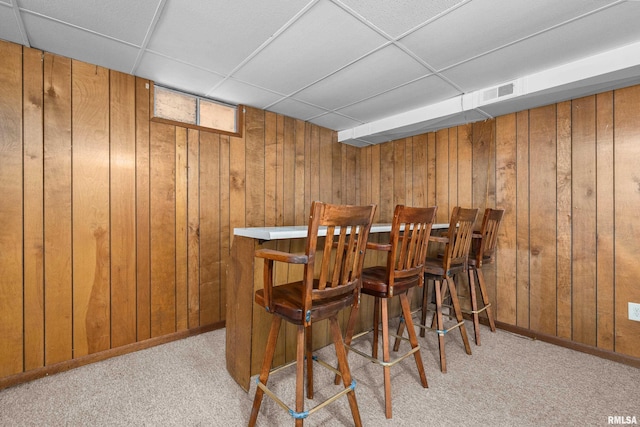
{"points": [[116, 229], [567, 177]]}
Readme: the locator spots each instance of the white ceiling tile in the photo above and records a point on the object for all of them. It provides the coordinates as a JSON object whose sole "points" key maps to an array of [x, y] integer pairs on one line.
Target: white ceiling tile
{"points": [[9, 30], [323, 40], [124, 20], [585, 37], [236, 92], [378, 72], [397, 17], [176, 75], [299, 110], [483, 25], [423, 92], [64, 40], [335, 121], [218, 35]]}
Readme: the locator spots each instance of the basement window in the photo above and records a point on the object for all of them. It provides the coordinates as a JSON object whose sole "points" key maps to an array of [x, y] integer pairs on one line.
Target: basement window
{"points": [[192, 111]]}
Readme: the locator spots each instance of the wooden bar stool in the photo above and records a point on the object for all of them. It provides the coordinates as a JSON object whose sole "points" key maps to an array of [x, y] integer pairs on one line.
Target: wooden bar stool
{"points": [[441, 271], [337, 286], [404, 270], [483, 252]]}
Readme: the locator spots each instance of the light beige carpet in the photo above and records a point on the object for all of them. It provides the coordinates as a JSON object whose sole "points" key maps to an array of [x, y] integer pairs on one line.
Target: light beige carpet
{"points": [[508, 381]]}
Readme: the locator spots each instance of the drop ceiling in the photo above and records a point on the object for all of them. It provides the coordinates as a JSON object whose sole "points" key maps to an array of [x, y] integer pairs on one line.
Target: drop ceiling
{"points": [[373, 70]]}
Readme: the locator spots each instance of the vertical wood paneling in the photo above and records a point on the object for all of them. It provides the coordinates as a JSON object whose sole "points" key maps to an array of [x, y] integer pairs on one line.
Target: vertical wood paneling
{"points": [[57, 209], [161, 266], [299, 171], [453, 168], [33, 190], [605, 219], [193, 228], [523, 252], [627, 200], [584, 222], [224, 213], [337, 182], [289, 167], [209, 228], [375, 179], [163, 228], [506, 196], [255, 172], [543, 219], [465, 168], [419, 183], [91, 228], [564, 219], [386, 206], [280, 170], [182, 296], [408, 162], [270, 177], [325, 172], [143, 230], [442, 175], [11, 239], [431, 175], [123, 209], [399, 176], [483, 165]]}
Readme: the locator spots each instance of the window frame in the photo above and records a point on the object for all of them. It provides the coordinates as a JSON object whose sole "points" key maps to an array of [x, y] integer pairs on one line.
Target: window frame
{"points": [[240, 110]]}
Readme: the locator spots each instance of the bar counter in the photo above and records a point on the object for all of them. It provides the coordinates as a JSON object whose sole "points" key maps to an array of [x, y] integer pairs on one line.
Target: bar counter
{"points": [[247, 325]]}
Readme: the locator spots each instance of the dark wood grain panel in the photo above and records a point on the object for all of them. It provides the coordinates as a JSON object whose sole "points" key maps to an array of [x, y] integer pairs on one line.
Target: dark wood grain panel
{"points": [[33, 190], [163, 228], [465, 168], [11, 239], [564, 219], [209, 228], [605, 215], [255, 167], [584, 230], [122, 131], [225, 214], [143, 230], [627, 200], [181, 244], [193, 229], [270, 176], [91, 227], [523, 252], [419, 183], [57, 207], [506, 198], [542, 184], [442, 175], [453, 167]]}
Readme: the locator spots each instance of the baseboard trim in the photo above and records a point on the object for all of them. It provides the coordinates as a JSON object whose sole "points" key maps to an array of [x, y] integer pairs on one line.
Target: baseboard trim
{"points": [[562, 342], [45, 371]]}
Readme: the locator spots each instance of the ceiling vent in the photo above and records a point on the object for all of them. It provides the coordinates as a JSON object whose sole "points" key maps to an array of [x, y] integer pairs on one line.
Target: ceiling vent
{"points": [[497, 93]]}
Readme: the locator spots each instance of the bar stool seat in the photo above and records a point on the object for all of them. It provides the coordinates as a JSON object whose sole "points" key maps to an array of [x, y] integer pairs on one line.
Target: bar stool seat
{"points": [[482, 253], [442, 270], [404, 270], [314, 298]]}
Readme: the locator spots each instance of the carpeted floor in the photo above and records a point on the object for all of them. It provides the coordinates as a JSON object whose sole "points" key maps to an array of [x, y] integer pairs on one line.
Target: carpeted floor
{"points": [[508, 381]]}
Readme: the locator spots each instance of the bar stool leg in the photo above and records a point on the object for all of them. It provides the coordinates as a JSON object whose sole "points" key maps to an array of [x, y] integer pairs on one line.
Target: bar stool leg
{"points": [[343, 365], [440, 325], [485, 298], [266, 367], [386, 357], [474, 305], [456, 307]]}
